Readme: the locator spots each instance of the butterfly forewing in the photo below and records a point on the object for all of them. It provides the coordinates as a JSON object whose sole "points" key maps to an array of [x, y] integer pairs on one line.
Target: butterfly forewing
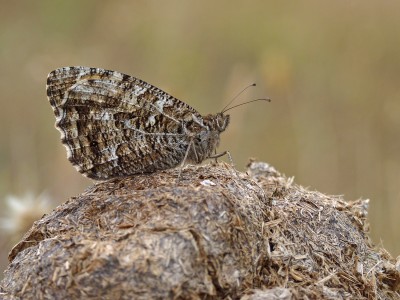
{"points": [[113, 124]]}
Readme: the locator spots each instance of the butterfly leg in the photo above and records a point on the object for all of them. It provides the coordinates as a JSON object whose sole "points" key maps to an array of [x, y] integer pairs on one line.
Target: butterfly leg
{"points": [[219, 155], [184, 160], [222, 154], [215, 156]]}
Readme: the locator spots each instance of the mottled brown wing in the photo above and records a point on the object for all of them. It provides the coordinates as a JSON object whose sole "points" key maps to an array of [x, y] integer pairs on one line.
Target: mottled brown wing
{"points": [[114, 125]]}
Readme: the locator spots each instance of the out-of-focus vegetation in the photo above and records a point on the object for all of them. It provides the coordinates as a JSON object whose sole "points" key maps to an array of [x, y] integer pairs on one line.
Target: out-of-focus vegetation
{"points": [[332, 70]]}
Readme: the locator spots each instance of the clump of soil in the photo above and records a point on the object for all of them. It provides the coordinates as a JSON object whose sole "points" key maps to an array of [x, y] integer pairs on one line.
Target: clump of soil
{"points": [[217, 234]]}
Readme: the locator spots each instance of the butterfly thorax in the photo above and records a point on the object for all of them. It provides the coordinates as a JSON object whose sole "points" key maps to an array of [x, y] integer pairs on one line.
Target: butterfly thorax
{"points": [[206, 138]]}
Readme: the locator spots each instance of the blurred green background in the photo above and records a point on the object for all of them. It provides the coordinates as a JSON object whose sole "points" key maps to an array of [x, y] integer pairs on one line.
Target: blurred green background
{"points": [[332, 70]]}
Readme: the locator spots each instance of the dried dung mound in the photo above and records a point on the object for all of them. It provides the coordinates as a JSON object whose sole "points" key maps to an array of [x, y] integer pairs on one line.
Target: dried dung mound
{"points": [[215, 235]]}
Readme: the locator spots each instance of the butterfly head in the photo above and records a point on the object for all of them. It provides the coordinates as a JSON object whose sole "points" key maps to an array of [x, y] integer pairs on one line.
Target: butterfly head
{"points": [[221, 121]]}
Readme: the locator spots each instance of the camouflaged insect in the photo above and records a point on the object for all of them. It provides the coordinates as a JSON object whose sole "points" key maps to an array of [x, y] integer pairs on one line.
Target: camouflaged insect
{"points": [[116, 125]]}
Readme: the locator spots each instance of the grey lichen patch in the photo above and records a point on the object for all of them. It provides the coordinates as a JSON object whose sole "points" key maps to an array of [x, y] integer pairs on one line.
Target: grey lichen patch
{"points": [[252, 235]]}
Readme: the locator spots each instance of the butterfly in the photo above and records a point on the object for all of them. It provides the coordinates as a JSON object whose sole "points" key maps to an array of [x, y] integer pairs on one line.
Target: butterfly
{"points": [[114, 125]]}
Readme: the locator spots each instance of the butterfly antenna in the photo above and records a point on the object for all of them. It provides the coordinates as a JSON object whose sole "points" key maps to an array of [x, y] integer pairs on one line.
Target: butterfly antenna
{"points": [[234, 98], [261, 99]]}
